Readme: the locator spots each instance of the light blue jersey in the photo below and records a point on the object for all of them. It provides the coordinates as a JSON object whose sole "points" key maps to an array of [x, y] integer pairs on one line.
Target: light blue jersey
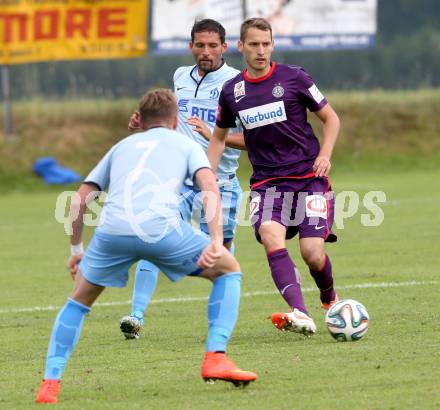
{"points": [[199, 97], [144, 174]]}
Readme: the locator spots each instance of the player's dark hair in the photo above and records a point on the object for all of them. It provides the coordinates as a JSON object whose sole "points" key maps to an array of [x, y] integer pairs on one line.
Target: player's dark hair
{"points": [[254, 22], [210, 26], [157, 106]]}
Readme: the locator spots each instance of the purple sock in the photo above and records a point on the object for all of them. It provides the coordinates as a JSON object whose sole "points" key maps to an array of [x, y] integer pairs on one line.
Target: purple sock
{"points": [[324, 281], [287, 278]]}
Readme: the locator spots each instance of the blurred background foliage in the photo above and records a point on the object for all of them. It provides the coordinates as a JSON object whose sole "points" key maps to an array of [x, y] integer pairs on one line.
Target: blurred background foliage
{"points": [[388, 99]]}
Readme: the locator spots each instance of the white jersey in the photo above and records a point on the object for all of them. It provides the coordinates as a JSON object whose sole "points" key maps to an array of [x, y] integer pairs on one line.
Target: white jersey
{"points": [[199, 97], [144, 174]]}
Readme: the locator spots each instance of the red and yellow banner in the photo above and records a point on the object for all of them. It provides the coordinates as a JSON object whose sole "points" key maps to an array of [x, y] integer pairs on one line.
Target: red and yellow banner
{"points": [[43, 30]]}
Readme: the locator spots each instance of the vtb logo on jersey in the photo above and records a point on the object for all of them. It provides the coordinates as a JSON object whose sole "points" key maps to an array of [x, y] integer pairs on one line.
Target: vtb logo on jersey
{"points": [[263, 115], [239, 91], [183, 105]]}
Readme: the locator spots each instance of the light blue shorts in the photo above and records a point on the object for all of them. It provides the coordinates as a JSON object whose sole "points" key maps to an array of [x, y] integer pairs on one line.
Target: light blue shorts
{"points": [[108, 258], [231, 194]]}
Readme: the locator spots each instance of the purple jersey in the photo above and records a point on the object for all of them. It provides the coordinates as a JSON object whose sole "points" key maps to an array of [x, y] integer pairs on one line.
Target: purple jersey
{"points": [[273, 111]]}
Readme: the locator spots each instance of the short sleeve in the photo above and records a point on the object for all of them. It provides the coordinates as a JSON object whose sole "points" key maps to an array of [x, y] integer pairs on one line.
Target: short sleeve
{"points": [[309, 92], [225, 117], [197, 160], [100, 175]]}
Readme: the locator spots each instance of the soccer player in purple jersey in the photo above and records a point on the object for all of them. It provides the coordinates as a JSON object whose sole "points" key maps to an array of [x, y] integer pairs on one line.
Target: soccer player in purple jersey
{"points": [[291, 192]]}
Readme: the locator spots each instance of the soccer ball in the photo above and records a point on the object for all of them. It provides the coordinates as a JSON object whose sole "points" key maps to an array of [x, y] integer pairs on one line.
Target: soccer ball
{"points": [[347, 320]]}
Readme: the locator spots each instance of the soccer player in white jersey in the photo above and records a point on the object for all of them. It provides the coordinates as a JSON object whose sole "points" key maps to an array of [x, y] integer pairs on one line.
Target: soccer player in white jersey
{"points": [[141, 220], [197, 88]]}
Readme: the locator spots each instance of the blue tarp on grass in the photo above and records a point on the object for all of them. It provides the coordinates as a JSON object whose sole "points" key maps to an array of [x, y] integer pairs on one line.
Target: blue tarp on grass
{"points": [[53, 173]]}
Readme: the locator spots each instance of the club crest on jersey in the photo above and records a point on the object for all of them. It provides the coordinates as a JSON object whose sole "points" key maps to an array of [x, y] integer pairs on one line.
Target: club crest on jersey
{"points": [[278, 91], [214, 94], [239, 91]]}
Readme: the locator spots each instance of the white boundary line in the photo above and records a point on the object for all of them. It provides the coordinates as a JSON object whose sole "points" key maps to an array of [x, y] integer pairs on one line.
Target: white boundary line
{"points": [[245, 295]]}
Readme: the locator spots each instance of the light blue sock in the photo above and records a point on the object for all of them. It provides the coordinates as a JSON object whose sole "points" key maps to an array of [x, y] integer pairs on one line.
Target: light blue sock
{"points": [[145, 282], [65, 335], [223, 304], [232, 250]]}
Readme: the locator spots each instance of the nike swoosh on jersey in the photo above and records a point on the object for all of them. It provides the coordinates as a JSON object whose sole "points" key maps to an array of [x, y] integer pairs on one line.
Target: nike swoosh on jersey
{"points": [[239, 99]]}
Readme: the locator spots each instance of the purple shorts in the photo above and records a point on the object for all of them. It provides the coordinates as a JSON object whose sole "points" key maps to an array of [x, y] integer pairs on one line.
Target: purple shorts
{"points": [[301, 205]]}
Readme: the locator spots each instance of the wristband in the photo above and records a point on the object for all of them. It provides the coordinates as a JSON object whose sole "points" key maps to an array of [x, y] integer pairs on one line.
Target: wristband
{"points": [[76, 249]]}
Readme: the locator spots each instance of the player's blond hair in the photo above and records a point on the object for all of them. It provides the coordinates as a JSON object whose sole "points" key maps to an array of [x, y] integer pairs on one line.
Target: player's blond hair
{"points": [[157, 106], [254, 22]]}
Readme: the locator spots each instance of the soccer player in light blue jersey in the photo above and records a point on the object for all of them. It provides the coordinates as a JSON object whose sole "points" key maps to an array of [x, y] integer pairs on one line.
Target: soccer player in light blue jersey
{"points": [[197, 88], [141, 220]]}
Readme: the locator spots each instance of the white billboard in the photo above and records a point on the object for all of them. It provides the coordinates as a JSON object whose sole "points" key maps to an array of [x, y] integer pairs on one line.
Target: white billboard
{"points": [[297, 24]]}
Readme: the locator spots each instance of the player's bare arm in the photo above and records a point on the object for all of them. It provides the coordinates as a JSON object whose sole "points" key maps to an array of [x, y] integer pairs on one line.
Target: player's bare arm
{"points": [[206, 181], [330, 131], [235, 140], [216, 146], [86, 193]]}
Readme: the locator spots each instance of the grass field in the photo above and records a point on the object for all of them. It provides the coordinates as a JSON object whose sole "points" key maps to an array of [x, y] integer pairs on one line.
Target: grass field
{"points": [[393, 269]]}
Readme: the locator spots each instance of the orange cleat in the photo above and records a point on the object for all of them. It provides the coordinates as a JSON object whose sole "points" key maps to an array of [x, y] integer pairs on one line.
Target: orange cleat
{"points": [[327, 306], [217, 366], [295, 321], [48, 392]]}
